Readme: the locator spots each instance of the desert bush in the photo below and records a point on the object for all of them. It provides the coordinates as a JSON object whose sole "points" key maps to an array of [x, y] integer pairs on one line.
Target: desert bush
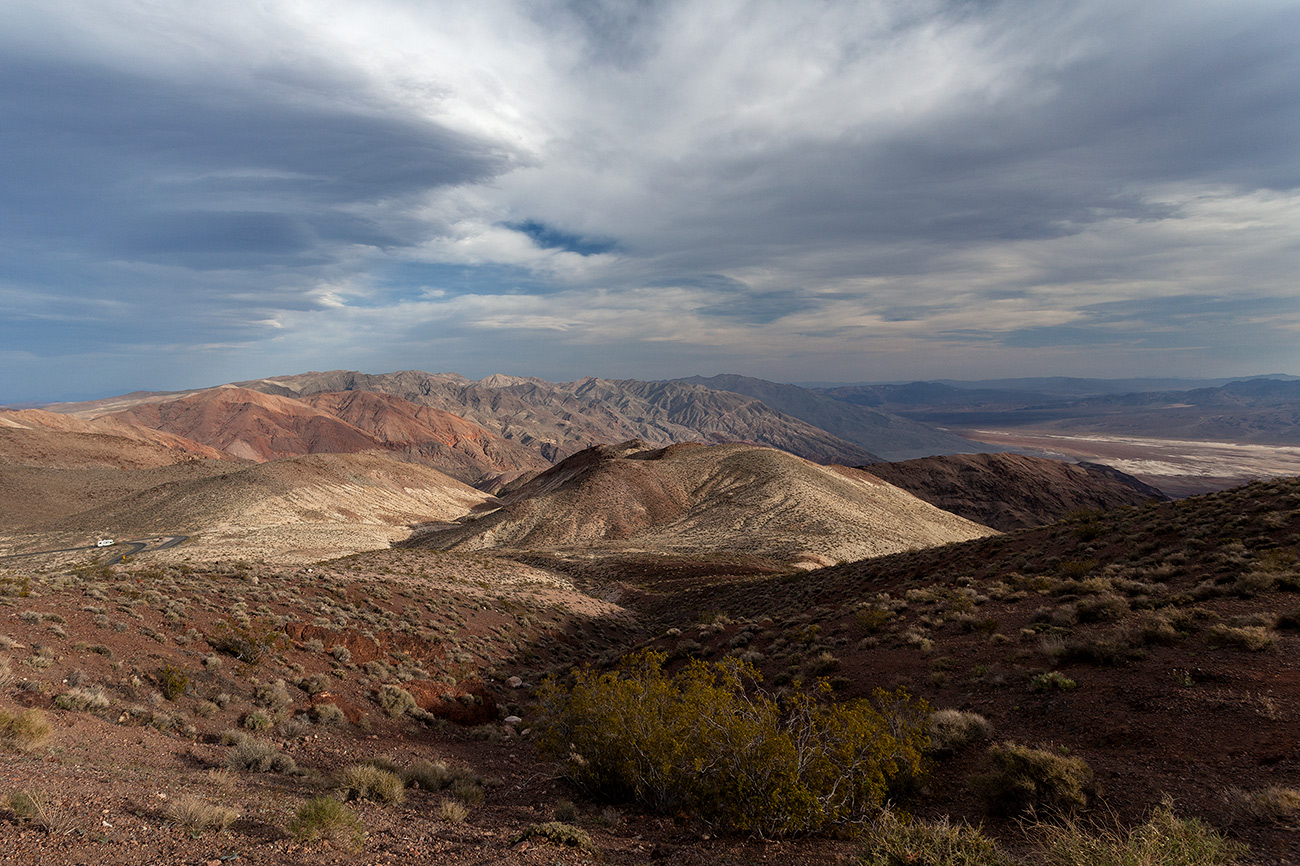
{"points": [[327, 819], [1051, 681], [1017, 779], [172, 682], [1164, 840], [83, 699], [396, 701], [328, 714], [247, 643], [23, 731], [258, 721], [701, 742], [259, 756], [953, 730], [368, 782], [274, 696], [559, 833], [894, 840], [467, 790], [428, 775], [198, 815]]}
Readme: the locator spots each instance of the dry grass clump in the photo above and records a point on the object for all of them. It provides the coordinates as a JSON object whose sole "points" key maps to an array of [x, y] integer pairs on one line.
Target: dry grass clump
{"points": [[198, 815], [259, 756], [36, 808], [895, 841], [953, 730], [369, 782], [25, 731], [1254, 638], [1273, 805], [451, 811], [1164, 840], [325, 818], [559, 833], [1017, 779], [83, 699]]}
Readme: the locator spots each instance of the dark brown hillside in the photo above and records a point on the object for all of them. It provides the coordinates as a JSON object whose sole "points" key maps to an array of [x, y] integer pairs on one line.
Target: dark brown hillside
{"points": [[1014, 491], [1161, 643]]}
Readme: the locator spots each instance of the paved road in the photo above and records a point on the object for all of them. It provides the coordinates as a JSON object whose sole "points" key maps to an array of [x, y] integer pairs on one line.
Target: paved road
{"points": [[117, 552]]}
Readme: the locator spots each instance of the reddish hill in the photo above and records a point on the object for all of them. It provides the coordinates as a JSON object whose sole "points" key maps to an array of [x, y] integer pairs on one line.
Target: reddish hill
{"points": [[251, 424], [1013, 491], [458, 447]]}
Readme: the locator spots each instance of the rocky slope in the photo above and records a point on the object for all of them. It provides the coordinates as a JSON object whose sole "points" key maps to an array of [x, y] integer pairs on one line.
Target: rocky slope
{"points": [[1013, 491], [891, 436], [720, 499]]}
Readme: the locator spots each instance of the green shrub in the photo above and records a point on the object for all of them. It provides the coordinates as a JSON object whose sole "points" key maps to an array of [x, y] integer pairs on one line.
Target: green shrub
{"points": [[23, 731], [328, 714], [328, 819], [1017, 779], [896, 841], [172, 682], [1164, 840], [368, 782], [258, 721], [559, 833], [700, 742], [1051, 681], [247, 643]]}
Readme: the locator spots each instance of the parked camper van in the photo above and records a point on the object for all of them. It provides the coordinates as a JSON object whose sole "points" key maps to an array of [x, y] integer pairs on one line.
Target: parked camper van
{"points": [[104, 542]]}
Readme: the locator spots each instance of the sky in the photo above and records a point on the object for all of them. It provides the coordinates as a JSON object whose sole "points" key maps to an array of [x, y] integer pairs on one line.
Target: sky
{"points": [[875, 190]]}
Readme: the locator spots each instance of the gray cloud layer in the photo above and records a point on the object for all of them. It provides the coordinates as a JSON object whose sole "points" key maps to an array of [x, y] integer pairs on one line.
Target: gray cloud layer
{"points": [[842, 190]]}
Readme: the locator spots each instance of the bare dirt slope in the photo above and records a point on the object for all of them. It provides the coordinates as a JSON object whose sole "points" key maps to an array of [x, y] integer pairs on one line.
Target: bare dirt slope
{"points": [[723, 498], [1013, 491]]}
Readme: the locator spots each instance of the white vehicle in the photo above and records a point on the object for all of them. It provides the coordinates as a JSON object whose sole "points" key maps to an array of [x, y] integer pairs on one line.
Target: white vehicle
{"points": [[104, 542]]}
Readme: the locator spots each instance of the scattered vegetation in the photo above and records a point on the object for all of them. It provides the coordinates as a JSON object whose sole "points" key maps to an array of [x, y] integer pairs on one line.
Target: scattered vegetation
{"points": [[895, 840], [1164, 840]]}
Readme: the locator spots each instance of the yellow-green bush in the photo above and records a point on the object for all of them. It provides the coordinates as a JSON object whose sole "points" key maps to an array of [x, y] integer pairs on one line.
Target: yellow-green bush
{"points": [[701, 742]]}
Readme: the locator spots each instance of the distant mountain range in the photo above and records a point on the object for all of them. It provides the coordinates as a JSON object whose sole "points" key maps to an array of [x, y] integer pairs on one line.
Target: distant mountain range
{"points": [[1259, 410]]}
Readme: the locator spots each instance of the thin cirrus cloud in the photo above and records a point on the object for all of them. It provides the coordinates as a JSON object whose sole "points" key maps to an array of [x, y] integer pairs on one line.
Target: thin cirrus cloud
{"points": [[832, 191]]}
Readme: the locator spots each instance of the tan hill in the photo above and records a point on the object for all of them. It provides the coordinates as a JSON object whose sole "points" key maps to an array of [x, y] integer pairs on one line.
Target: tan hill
{"points": [[1013, 491], [717, 499], [319, 488], [560, 419]]}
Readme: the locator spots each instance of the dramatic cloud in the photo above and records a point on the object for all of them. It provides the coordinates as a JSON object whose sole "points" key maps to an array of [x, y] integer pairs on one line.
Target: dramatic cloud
{"points": [[196, 193]]}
